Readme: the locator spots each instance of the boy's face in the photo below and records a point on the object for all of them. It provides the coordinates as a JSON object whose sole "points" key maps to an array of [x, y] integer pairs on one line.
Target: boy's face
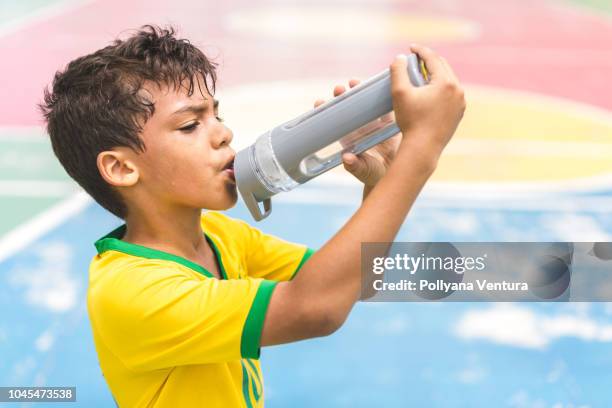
{"points": [[188, 161]]}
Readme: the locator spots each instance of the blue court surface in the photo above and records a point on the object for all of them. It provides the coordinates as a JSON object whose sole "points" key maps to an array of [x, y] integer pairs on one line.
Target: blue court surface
{"points": [[387, 354], [532, 161]]}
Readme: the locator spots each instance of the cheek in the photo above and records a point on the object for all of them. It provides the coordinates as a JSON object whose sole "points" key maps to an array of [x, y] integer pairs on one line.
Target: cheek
{"points": [[193, 177], [186, 173], [189, 173], [175, 167]]}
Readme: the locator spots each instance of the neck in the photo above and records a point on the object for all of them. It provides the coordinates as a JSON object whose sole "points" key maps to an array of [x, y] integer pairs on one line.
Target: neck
{"points": [[177, 231]]}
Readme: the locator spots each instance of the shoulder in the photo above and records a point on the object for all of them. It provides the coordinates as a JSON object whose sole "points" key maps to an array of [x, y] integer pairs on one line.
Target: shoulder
{"points": [[118, 277], [226, 227], [214, 219]]}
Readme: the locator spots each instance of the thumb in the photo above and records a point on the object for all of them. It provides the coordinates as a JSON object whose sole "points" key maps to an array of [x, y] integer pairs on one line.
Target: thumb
{"points": [[354, 165]]}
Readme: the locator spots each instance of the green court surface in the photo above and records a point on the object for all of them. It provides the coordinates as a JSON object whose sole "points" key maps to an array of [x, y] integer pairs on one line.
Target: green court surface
{"points": [[598, 4], [22, 209], [31, 179]]}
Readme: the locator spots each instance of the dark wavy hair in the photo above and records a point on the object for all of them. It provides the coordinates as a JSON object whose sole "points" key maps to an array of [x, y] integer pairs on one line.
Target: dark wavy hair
{"points": [[96, 103]]}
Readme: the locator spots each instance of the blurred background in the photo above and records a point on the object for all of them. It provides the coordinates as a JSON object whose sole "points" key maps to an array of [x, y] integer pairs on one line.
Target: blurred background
{"points": [[532, 161]]}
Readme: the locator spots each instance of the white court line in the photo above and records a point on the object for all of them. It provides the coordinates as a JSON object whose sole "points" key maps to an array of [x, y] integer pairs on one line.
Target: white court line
{"points": [[597, 205], [492, 189], [521, 148], [319, 193], [36, 188], [21, 134], [28, 232]]}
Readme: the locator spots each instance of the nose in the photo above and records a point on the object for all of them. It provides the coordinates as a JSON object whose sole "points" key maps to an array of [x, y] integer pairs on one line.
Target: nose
{"points": [[224, 137]]}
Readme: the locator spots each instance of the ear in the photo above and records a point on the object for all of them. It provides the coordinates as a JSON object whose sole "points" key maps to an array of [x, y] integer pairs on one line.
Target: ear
{"points": [[117, 169]]}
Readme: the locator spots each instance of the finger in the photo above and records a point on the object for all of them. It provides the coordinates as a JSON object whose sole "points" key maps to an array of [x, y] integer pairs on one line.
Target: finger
{"points": [[319, 102], [449, 70], [339, 89], [353, 82], [445, 65], [349, 158], [400, 82], [434, 65], [353, 164]]}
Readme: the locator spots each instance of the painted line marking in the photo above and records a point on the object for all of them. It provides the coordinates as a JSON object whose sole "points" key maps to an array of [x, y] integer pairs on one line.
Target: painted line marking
{"points": [[28, 232], [36, 188]]}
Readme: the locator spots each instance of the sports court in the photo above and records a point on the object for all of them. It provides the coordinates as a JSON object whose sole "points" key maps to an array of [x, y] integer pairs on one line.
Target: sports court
{"points": [[532, 161]]}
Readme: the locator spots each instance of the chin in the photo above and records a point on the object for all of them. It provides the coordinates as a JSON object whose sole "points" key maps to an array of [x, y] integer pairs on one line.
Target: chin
{"points": [[229, 204], [223, 204]]}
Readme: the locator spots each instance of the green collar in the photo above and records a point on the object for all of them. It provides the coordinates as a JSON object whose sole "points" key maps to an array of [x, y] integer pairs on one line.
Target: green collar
{"points": [[112, 242]]}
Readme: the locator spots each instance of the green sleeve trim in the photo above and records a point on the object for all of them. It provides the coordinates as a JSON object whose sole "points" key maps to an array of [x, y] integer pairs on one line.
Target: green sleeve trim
{"points": [[251, 333], [307, 254]]}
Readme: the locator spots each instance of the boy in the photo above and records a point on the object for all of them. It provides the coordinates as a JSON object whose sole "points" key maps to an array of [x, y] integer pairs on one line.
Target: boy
{"points": [[181, 301]]}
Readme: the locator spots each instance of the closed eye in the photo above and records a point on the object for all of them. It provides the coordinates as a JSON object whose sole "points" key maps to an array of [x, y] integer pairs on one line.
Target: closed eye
{"points": [[189, 128]]}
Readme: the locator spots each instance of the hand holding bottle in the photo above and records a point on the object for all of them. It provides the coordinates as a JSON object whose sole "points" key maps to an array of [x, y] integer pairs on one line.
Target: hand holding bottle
{"points": [[427, 116], [370, 166]]}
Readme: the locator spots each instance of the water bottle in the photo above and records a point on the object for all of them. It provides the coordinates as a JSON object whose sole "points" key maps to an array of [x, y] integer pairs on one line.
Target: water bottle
{"points": [[313, 143]]}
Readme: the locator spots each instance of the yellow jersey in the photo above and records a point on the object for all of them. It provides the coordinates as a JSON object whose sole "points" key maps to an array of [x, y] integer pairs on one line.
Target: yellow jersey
{"points": [[170, 334]]}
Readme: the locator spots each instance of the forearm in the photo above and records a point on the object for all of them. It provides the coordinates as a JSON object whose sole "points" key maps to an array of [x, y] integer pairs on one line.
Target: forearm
{"points": [[332, 276], [318, 300], [366, 192]]}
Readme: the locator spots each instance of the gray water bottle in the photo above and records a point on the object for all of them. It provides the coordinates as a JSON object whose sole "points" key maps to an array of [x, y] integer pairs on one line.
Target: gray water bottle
{"points": [[313, 143]]}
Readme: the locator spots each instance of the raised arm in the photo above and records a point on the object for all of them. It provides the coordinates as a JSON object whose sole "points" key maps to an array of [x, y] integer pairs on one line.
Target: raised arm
{"points": [[318, 300]]}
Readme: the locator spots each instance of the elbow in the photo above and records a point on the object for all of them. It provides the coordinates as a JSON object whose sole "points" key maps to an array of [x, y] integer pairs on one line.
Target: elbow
{"points": [[320, 322], [327, 325]]}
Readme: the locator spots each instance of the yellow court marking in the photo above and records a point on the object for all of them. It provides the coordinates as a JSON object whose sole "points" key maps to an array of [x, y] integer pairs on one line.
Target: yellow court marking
{"points": [[337, 24], [510, 136], [506, 137]]}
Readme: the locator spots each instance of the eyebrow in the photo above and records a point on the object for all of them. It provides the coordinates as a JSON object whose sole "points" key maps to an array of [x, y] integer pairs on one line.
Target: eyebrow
{"points": [[196, 109]]}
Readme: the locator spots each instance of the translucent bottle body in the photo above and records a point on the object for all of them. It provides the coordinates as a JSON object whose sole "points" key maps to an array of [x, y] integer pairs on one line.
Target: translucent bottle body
{"points": [[273, 176], [298, 150], [356, 142], [268, 169]]}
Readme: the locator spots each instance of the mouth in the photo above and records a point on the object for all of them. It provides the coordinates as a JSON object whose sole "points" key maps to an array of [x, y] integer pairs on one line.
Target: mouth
{"points": [[229, 169]]}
